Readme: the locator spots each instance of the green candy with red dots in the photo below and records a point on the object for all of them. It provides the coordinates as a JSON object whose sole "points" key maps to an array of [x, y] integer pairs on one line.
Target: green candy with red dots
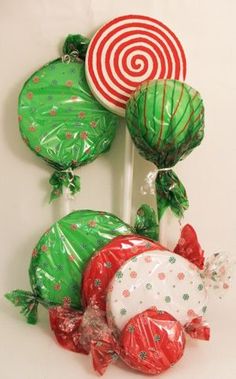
{"points": [[60, 256], [61, 121]]}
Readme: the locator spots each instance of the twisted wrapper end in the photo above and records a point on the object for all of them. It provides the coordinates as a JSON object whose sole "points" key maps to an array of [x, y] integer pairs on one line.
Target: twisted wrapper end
{"points": [[85, 333], [28, 303], [189, 247], [170, 192], [76, 43], [65, 323], [198, 329], [146, 222], [218, 272], [60, 179]]}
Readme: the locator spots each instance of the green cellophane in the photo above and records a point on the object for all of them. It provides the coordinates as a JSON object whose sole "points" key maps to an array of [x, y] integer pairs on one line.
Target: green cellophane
{"points": [[60, 256], [166, 122], [62, 122], [76, 44], [146, 222]]}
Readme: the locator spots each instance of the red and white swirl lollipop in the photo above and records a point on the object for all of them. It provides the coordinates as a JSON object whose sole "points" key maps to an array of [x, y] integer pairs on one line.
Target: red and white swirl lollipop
{"points": [[128, 51]]}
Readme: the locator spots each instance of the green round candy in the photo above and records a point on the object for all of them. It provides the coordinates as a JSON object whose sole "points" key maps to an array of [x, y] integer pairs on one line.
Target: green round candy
{"points": [[166, 120], [61, 254], [59, 118]]}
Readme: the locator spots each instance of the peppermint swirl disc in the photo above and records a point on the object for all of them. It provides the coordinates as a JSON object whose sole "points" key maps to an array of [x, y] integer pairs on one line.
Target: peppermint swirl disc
{"points": [[156, 278], [128, 51]]}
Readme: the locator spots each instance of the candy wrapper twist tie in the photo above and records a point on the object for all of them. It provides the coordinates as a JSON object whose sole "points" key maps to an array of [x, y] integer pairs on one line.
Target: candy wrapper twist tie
{"points": [[217, 273], [64, 178], [89, 333]]}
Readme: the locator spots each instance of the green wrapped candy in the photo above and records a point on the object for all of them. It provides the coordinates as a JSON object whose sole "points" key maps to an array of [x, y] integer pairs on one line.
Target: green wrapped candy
{"points": [[166, 122], [62, 122], [146, 222], [76, 44], [60, 256]]}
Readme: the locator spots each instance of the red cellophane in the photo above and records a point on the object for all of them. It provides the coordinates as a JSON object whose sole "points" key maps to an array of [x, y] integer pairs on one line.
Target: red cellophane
{"points": [[189, 247], [152, 341], [103, 266]]}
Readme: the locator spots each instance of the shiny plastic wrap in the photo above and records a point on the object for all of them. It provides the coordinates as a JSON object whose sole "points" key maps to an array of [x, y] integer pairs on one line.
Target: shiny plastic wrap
{"points": [[152, 341], [85, 333], [146, 222], [166, 122], [198, 328], [60, 256], [149, 341], [104, 265], [97, 338], [188, 247], [62, 122], [218, 272], [217, 269], [65, 323], [76, 44], [156, 278]]}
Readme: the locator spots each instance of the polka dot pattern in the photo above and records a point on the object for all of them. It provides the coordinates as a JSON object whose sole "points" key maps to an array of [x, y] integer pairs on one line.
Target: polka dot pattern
{"points": [[156, 278]]}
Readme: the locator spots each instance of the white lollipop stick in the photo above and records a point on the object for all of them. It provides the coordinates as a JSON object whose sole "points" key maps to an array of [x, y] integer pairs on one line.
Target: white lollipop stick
{"points": [[66, 202], [169, 226], [124, 53], [169, 229], [128, 177]]}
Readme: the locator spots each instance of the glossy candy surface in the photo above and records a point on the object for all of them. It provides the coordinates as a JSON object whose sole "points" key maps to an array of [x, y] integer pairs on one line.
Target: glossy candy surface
{"points": [[61, 121], [166, 122], [156, 278], [103, 266], [152, 341]]}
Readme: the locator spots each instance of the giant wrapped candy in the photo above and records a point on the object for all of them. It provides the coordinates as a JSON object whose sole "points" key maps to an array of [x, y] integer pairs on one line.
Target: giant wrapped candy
{"points": [[149, 340], [152, 341], [62, 122], [103, 266], [166, 122], [60, 256], [156, 278]]}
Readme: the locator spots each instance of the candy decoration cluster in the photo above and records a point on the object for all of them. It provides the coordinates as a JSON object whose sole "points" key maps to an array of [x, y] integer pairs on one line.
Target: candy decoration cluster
{"points": [[139, 302], [111, 289]]}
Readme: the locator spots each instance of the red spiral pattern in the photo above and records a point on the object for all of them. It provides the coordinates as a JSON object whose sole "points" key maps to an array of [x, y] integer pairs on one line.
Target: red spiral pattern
{"points": [[128, 51]]}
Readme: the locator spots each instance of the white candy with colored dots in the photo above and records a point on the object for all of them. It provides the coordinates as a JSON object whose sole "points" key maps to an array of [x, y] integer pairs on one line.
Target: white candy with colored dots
{"points": [[157, 278]]}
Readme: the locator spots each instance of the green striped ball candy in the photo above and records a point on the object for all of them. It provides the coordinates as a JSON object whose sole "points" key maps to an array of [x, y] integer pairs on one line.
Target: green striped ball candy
{"points": [[166, 120]]}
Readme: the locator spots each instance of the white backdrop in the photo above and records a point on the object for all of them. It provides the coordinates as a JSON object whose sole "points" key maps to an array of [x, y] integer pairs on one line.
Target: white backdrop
{"points": [[32, 33]]}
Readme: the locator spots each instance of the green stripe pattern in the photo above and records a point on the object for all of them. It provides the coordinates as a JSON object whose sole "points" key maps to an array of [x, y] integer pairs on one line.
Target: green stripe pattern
{"points": [[166, 122]]}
